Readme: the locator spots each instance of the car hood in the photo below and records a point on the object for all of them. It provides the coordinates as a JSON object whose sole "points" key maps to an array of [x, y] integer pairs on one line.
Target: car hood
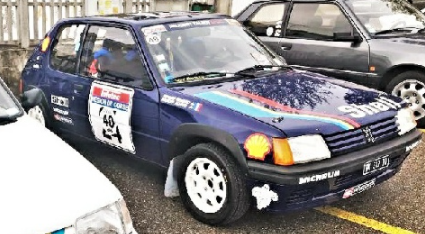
{"points": [[411, 43], [308, 102], [46, 185]]}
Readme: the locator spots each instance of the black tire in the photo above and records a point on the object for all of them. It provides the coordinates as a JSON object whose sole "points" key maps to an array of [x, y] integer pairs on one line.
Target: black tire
{"points": [[408, 75], [237, 201]]}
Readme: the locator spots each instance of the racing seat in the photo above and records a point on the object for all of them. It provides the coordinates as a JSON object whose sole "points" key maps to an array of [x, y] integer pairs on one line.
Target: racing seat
{"points": [[103, 58]]}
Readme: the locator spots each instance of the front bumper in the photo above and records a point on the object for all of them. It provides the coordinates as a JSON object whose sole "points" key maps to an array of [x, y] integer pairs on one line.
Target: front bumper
{"points": [[336, 174]]}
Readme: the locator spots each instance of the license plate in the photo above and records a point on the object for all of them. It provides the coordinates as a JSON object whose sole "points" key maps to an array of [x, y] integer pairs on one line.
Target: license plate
{"points": [[376, 165], [359, 188]]}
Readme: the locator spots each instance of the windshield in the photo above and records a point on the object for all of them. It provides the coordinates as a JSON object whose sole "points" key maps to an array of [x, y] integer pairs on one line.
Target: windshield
{"points": [[8, 107], [383, 15], [217, 47]]}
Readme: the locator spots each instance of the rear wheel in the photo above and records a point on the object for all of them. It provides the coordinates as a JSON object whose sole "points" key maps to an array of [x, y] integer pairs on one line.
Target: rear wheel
{"points": [[410, 86], [212, 188]]}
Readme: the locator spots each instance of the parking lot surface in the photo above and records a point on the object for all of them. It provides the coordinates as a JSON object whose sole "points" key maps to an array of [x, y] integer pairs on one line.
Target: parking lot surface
{"points": [[398, 204]]}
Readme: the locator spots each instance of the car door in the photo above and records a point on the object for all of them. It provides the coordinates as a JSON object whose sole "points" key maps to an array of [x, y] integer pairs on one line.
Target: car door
{"points": [[116, 102], [310, 41], [61, 71], [266, 23]]}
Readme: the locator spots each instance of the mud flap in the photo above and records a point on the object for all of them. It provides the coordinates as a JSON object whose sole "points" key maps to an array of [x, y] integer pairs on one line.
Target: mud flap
{"points": [[171, 188], [264, 196]]}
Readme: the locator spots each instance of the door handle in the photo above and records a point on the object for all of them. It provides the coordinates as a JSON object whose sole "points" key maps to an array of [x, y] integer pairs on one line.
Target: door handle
{"points": [[286, 47]]}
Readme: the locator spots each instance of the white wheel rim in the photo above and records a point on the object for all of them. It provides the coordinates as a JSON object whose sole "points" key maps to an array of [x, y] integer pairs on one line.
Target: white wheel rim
{"points": [[206, 185], [37, 114], [412, 92]]}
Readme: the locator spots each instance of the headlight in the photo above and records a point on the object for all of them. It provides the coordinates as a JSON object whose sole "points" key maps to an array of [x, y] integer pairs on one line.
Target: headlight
{"points": [[302, 149], [112, 219], [406, 121]]}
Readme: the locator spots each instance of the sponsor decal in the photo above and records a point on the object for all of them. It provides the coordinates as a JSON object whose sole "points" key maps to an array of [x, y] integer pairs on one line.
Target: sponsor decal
{"points": [[198, 23], [381, 104], [358, 188], [251, 109], [264, 196], [60, 101], [195, 106], [412, 146], [63, 119], [60, 111], [153, 39], [180, 102], [110, 98], [110, 108], [154, 29], [319, 177], [190, 24], [257, 146]]}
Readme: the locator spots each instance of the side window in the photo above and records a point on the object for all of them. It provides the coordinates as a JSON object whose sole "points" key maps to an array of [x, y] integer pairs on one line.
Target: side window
{"points": [[65, 48], [317, 21], [111, 53], [267, 21]]}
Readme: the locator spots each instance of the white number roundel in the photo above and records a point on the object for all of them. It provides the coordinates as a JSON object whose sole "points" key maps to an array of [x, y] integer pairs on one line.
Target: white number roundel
{"points": [[153, 39]]}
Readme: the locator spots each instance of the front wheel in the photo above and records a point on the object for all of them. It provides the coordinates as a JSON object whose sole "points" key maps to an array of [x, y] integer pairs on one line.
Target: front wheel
{"points": [[410, 86], [38, 114], [212, 188]]}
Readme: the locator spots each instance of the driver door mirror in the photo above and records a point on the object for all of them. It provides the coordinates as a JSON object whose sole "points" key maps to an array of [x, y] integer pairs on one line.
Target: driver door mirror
{"points": [[347, 36], [31, 98]]}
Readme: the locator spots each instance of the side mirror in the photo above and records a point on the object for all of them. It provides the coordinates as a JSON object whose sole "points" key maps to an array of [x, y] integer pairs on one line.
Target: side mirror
{"points": [[347, 36], [31, 98]]}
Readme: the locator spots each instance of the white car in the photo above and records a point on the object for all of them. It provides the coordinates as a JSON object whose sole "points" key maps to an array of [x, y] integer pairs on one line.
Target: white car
{"points": [[47, 186]]}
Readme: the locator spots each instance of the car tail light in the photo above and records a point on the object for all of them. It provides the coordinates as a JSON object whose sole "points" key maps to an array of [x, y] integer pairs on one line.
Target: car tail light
{"points": [[21, 86], [282, 154]]}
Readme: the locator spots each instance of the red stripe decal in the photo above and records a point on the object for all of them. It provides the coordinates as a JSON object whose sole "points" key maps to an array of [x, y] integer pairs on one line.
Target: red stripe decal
{"points": [[97, 91], [290, 109], [109, 94]]}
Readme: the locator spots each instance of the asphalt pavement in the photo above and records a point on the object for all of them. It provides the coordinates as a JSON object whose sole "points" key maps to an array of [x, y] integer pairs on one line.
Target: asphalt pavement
{"points": [[399, 202]]}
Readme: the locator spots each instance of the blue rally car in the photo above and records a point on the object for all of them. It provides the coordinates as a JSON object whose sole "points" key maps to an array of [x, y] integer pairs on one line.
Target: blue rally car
{"points": [[234, 125]]}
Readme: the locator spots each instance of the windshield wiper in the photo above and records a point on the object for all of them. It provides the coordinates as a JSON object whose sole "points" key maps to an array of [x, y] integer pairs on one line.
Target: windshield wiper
{"points": [[248, 71], [5, 119], [401, 29], [196, 74]]}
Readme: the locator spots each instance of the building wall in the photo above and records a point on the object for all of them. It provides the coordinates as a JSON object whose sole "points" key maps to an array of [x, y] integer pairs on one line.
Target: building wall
{"points": [[12, 62], [223, 6], [171, 5], [239, 5]]}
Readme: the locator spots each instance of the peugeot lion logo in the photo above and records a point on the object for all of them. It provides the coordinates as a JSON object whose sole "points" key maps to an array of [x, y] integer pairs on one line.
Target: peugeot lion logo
{"points": [[367, 132]]}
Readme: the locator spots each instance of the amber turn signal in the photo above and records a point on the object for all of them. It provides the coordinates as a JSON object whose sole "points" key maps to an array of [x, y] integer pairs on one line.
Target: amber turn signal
{"points": [[45, 44], [282, 154]]}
